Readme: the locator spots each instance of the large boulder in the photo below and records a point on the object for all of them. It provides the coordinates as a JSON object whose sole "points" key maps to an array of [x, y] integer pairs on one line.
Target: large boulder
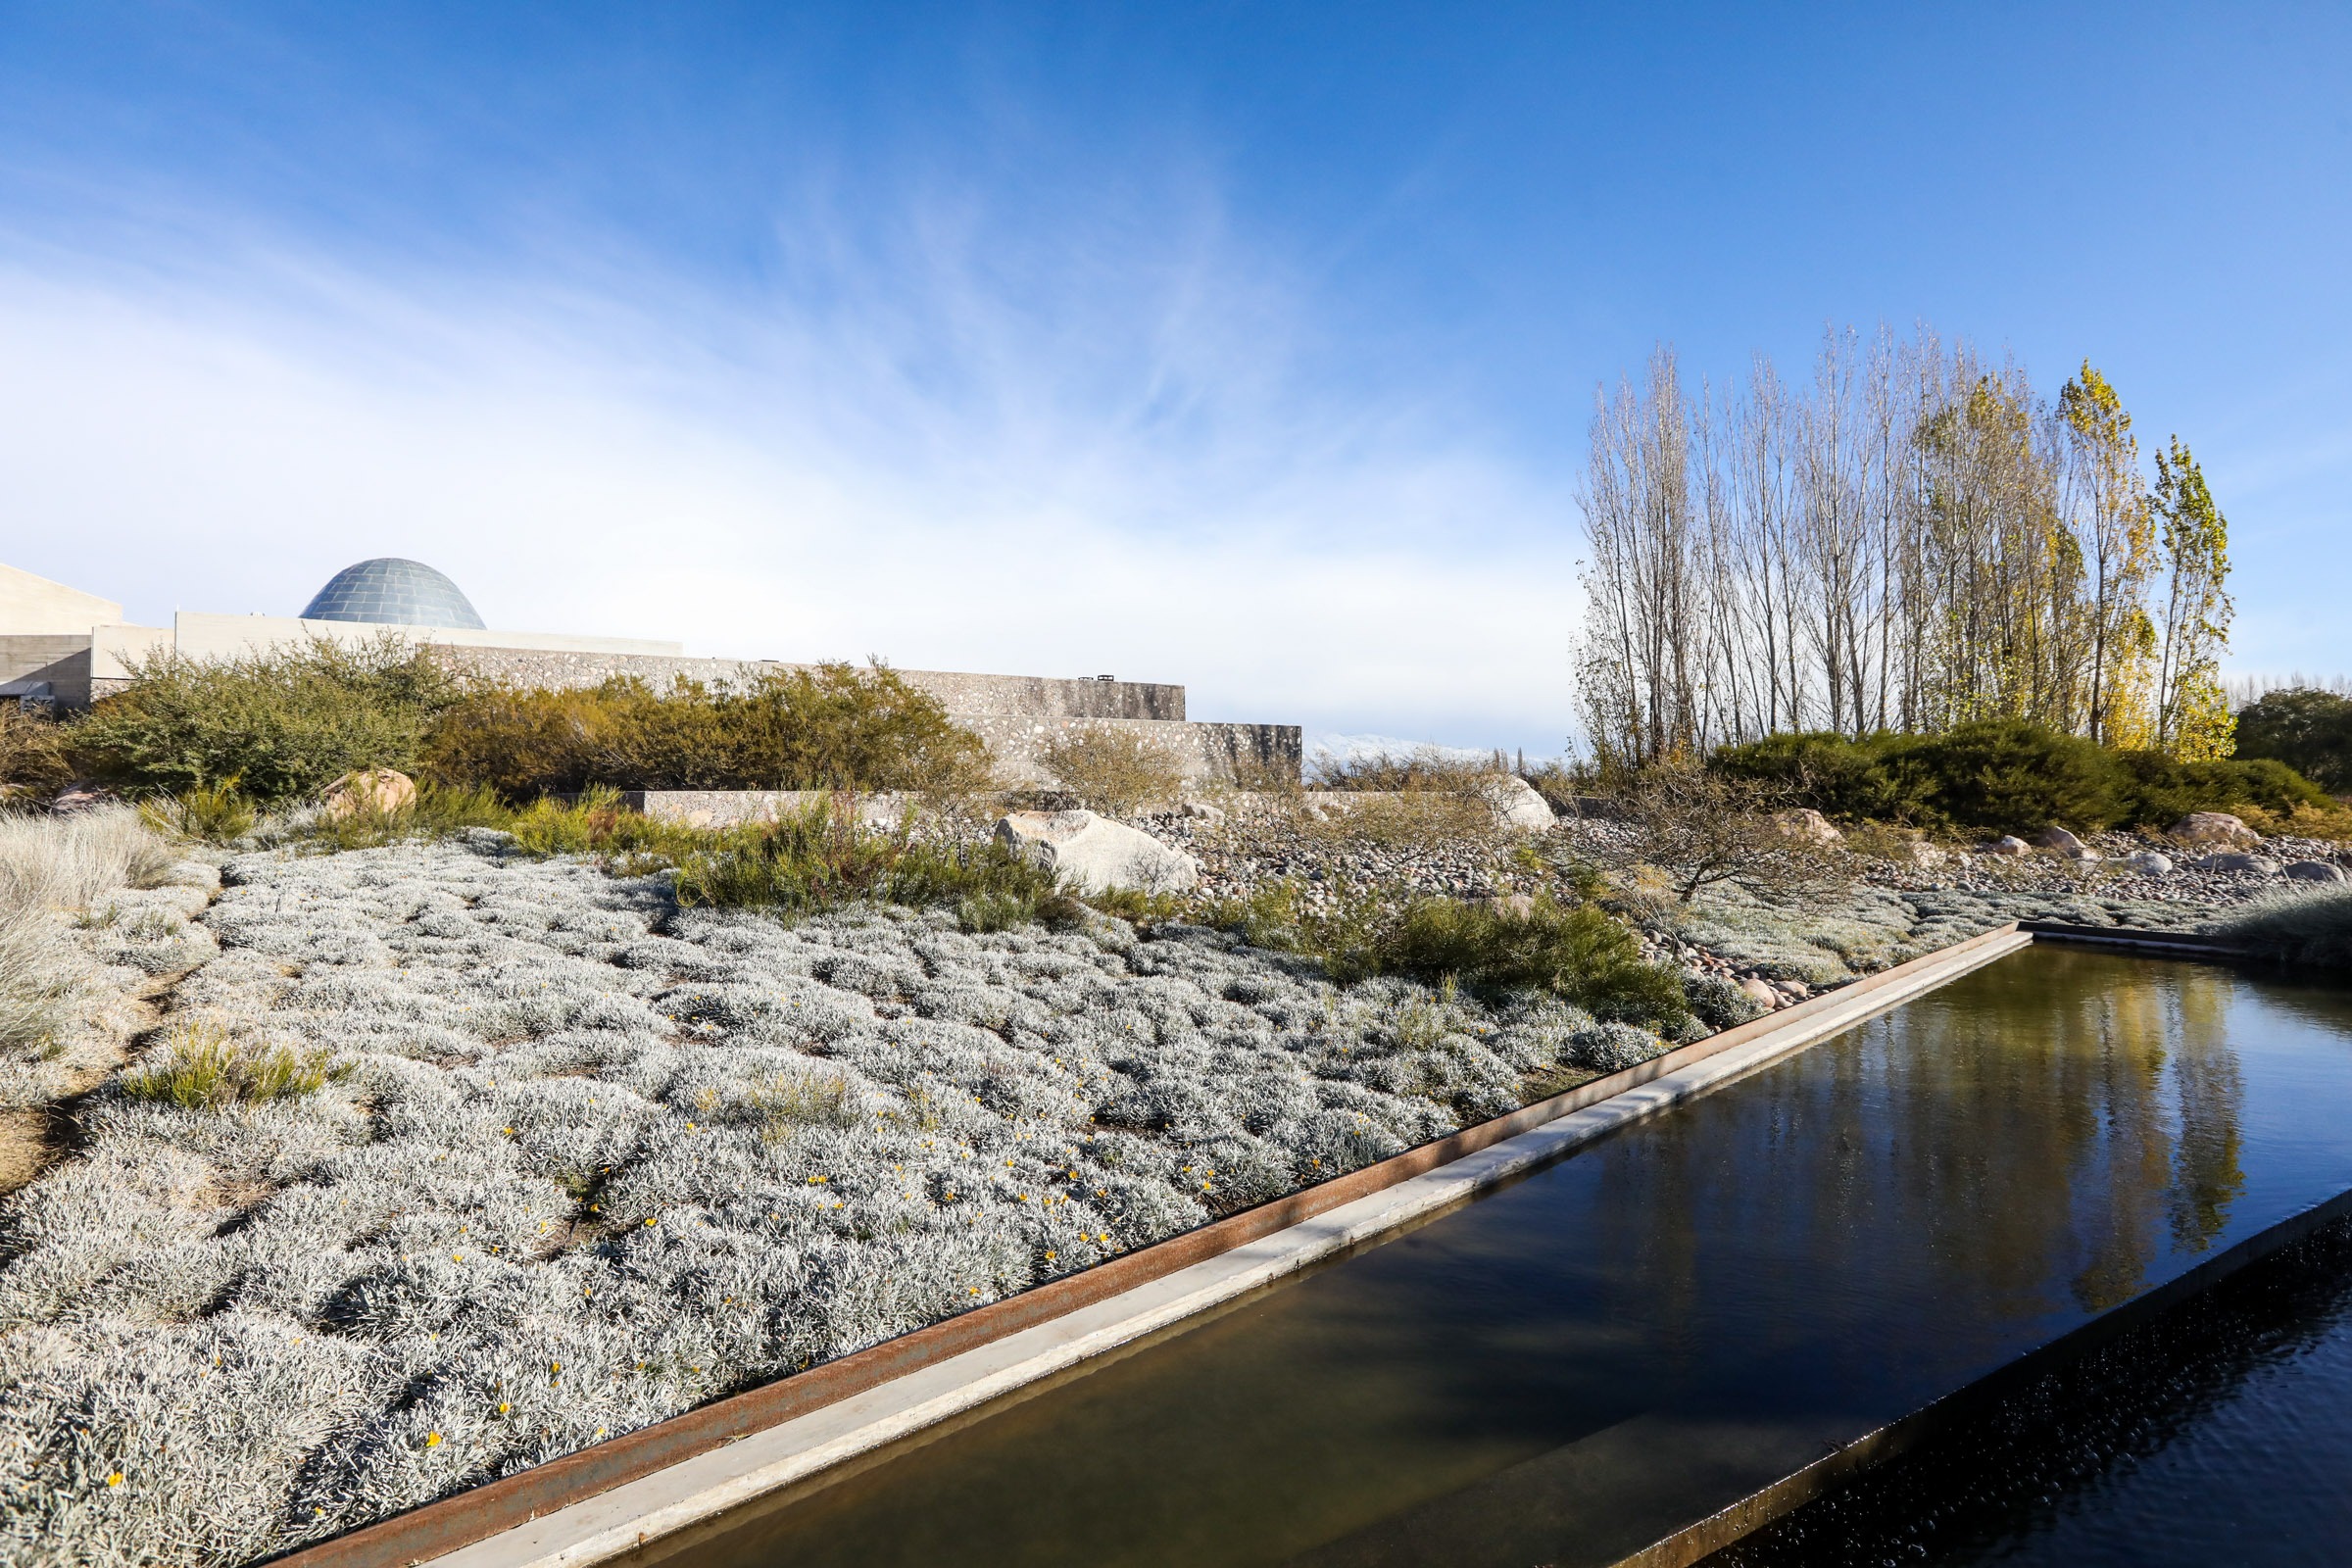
{"points": [[2010, 845], [1516, 803], [1095, 855], [1807, 826], [2216, 827], [2149, 863], [373, 791], [2059, 839], [2316, 871]]}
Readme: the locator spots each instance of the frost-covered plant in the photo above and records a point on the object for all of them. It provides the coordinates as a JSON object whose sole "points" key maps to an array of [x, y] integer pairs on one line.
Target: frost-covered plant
{"points": [[589, 1169], [1719, 1004], [36, 977]]}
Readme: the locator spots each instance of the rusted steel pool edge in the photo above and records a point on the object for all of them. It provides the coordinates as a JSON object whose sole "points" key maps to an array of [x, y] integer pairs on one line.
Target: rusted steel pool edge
{"points": [[465, 1518]]}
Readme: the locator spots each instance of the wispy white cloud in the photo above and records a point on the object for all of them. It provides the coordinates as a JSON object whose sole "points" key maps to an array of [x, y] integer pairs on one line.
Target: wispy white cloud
{"points": [[961, 442]]}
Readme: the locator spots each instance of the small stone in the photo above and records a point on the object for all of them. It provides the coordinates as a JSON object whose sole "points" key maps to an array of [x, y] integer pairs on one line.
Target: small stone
{"points": [[2315, 871], [377, 791], [78, 796], [1757, 991], [1204, 810], [1807, 826]]}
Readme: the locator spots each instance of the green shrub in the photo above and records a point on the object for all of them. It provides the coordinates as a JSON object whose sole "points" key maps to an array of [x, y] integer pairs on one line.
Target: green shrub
{"points": [[824, 857], [2161, 790], [279, 724], [203, 1067], [2307, 730], [831, 726], [2005, 774], [1578, 953], [2009, 777], [1881, 778], [219, 814]]}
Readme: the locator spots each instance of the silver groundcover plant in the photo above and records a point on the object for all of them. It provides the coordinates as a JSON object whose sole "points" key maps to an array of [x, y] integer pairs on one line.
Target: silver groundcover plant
{"points": [[584, 1161]]}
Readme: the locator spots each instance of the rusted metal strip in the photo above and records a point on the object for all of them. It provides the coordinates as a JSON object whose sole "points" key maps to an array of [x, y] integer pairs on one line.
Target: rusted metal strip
{"points": [[435, 1529]]}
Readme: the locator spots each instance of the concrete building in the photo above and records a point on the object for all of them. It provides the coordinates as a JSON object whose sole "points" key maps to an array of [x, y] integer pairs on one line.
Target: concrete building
{"points": [[67, 649]]}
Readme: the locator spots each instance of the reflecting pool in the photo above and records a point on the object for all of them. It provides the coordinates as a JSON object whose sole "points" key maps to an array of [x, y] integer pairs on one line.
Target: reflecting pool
{"points": [[1671, 1318]]}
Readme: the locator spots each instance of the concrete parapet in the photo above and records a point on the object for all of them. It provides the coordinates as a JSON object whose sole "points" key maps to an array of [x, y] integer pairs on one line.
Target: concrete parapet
{"points": [[960, 694], [1245, 754], [50, 666]]}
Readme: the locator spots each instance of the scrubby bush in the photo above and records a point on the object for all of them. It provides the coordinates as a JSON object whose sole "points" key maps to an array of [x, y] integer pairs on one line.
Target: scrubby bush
{"points": [[33, 753], [1579, 953], [2306, 729], [1114, 770], [1424, 768], [1697, 827], [279, 724], [831, 726], [825, 858], [2007, 775], [1719, 1004]]}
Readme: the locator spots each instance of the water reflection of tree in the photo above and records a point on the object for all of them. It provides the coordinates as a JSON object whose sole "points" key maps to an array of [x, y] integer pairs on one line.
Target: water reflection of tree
{"points": [[2210, 1091], [2034, 1138]]}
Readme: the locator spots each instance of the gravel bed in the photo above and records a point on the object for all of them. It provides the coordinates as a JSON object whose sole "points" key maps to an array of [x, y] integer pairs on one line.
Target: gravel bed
{"points": [[595, 1160]]}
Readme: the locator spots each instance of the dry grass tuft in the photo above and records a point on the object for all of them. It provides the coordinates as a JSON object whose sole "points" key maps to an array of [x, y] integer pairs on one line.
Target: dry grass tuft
{"points": [[204, 1067], [2305, 928], [65, 863]]}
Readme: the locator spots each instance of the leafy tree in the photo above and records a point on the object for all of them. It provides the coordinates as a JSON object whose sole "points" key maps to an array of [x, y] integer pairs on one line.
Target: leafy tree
{"points": [[2308, 731], [2119, 553], [2192, 715]]}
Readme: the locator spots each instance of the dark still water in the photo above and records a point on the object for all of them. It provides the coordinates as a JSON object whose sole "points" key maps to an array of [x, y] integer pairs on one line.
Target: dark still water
{"points": [[1670, 1319], [2221, 1433]]}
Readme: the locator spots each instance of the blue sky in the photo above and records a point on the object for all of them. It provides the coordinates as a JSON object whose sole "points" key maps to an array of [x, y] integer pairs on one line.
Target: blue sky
{"points": [[1249, 347]]}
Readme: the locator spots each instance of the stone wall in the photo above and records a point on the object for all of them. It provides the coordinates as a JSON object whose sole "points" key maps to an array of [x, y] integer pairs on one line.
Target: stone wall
{"points": [[1245, 753], [52, 666], [1033, 695]]}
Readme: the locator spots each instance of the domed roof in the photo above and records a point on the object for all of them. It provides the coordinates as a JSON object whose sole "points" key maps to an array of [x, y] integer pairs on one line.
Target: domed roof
{"points": [[392, 591]]}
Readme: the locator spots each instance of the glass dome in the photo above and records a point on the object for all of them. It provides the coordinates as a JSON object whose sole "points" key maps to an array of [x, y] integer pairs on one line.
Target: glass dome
{"points": [[389, 591]]}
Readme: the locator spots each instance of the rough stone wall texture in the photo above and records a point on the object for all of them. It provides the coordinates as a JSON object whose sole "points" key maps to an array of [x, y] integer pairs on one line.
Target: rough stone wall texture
{"points": [[60, 663], [960, 694], [1232, 753]]}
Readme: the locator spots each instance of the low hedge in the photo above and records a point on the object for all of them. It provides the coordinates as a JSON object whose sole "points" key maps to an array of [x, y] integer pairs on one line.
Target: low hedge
{"points": [[2011, 776]]}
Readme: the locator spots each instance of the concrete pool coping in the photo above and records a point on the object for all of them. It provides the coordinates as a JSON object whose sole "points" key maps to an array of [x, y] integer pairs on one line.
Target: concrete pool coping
{"points": [[614, 1497]]}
